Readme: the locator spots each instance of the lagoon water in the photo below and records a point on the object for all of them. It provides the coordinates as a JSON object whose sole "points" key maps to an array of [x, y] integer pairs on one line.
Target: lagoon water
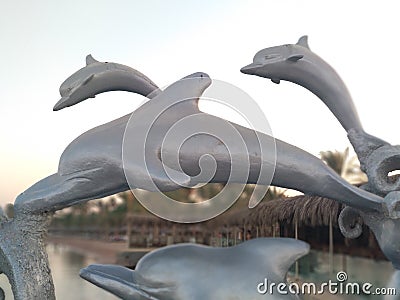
{"points": [[65, 265], [315, 268]]}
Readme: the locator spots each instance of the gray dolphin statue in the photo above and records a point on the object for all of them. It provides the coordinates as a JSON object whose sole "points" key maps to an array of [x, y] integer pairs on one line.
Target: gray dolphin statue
{"points": [[98, 77], [190, 271], [298, 64], [91, 166]]}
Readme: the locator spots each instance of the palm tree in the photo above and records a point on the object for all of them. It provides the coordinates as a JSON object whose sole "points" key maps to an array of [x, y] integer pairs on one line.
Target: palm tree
{"points": [[344, 165], [349, 169]]}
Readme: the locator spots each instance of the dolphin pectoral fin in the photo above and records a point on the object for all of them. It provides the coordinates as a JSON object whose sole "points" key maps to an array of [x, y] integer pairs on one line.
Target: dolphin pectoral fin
{"points": [[295, 57], [87, 79], [117, 280], [168, 180], [179, 178], [156, 177], [276, 80]]}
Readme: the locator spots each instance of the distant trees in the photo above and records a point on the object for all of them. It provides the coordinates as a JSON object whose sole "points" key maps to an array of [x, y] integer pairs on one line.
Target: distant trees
{"points": [[347, 167]]}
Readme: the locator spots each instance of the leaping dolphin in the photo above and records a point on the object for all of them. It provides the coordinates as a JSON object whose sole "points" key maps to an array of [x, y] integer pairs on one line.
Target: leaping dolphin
{"points": [[190, 271], [94, 167], [98, 77], [298, 64], [91, 166]]}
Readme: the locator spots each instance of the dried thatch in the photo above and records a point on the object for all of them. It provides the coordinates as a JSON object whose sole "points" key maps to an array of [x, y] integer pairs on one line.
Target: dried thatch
{"points": [[229, 218], [306, 210]]}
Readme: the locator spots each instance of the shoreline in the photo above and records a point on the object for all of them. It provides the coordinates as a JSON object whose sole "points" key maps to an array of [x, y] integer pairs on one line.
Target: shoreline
{"points": [[100, 251]]}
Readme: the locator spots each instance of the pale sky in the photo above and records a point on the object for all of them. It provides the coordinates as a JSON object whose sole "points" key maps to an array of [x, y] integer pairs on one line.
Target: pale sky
{"points": [[44, 42]]}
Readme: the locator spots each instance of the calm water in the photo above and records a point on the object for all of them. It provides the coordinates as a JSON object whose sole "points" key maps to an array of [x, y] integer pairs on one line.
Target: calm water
{"points": [[315, 268], [65, 265]]}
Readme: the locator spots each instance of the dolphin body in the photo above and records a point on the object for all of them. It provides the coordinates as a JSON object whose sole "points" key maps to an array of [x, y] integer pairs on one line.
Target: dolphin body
{"points": [[190, 271], [298, 64], [98, 77], [91, 166]]}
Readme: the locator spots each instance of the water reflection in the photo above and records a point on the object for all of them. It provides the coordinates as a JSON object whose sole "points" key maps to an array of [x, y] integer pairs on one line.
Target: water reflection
{"points": [[315, 268], [65, 265]]}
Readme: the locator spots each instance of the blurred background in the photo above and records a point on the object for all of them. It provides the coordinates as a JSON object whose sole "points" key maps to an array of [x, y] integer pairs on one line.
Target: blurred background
{"points": [[44, 42]]}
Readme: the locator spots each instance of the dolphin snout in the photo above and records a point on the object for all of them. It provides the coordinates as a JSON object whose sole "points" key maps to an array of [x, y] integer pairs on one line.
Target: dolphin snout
{"points": [[62, 103], [249, 69]]}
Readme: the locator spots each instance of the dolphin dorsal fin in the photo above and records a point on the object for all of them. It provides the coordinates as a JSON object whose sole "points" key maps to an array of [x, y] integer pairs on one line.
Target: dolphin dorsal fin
{"points": [[186, 92], [282, 253], [90, 60], [303, 41]]}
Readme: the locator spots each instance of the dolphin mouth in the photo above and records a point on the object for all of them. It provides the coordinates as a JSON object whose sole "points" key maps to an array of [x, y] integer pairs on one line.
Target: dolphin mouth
{"points": [[89, 272], [116, 279], [249, 69], [62, 103]]}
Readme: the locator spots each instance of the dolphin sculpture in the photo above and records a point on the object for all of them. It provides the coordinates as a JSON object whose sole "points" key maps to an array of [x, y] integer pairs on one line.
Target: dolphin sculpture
{"points": [[298, 64], [98, 77], [91, 166], [183, 272]]}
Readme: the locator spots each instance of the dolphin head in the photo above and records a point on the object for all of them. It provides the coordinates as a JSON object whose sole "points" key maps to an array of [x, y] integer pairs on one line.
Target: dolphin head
{"points": [[79, 86], [270, 61], [99, 77]]}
